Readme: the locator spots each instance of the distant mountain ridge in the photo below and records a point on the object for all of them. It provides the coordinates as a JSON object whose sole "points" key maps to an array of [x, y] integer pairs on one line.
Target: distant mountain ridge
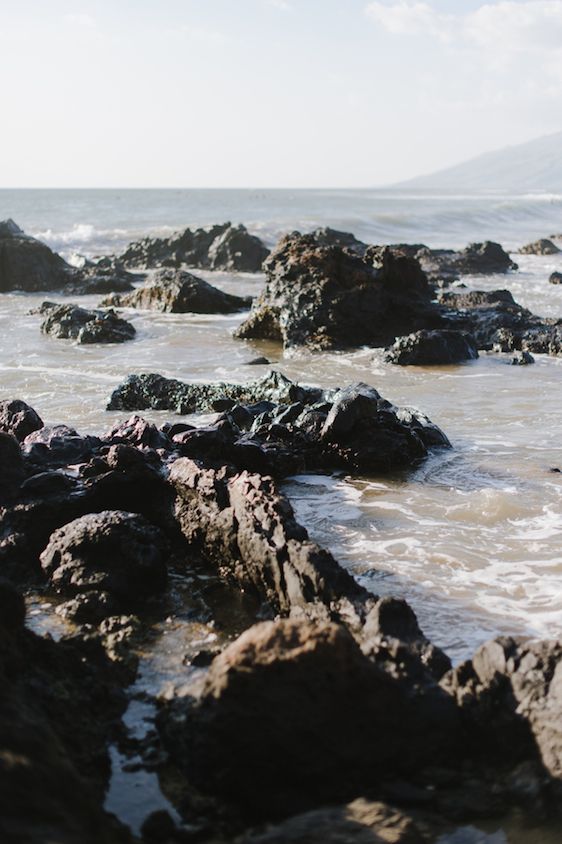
{"points": [[532, 166]]}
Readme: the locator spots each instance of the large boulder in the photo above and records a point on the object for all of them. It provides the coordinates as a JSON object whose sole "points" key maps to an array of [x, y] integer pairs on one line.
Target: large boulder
{"points": [[445, 265], [111, 552], [27, 264], [329, 297], [70, 322], [313, 719], [180, 292], [220, 247], [510, 694], [18, 418], [428, 348], [544, 246]]}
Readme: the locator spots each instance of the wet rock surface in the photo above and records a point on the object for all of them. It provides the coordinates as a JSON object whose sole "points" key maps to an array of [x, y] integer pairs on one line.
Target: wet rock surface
{"points": [[426, 348], [445, 265], [180, 292], [28, 264], [329, 297], [18, 418], [555, 278], [219, 247], [69, 322], [279, 427]]}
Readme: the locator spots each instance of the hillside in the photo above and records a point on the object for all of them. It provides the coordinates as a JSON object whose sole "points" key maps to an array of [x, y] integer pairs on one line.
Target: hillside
{"points": [[533, 166]]}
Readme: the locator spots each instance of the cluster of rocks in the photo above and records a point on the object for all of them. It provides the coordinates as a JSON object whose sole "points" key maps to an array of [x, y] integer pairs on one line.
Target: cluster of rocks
{"points": [[179, 292], [219, 247], [28, 264], [332, 296], [70, 322], [544, 246], [328, 710], [276, 426]]}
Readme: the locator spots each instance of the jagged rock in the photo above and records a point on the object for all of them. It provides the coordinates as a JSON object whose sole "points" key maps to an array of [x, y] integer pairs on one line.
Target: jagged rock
{"points": [[221, 247], [313, 718], [540, 247], [180, 292], [361, 822], [12, 472], [141, 392], [112, 552], [286, 427], [18, 418], [71, 322], [332, 237], [427, 348], [510, 694], [135, 432], [555, 278], [93, 278], [54, 446], [445, 265], [247, 528], [329, 297]]}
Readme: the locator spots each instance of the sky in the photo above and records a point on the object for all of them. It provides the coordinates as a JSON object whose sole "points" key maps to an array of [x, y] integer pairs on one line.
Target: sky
{"points": [[269, 93]]}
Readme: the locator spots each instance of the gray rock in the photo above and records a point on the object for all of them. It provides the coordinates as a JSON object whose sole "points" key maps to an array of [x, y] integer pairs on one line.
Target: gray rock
{"points": [[540, 247], [18, 418], [69, 322]]}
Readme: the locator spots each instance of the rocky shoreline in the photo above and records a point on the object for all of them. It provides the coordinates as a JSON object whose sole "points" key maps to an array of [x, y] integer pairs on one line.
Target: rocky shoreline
{"points": [[321, 712]]}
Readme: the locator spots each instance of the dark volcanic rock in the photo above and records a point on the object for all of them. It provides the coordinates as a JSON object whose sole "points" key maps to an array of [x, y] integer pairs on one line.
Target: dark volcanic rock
{"points": [[71, 322], [221, 247], [18, 418], [540, 247], [445, 265], [510, 694], [27, 264], [180, 292], [329, 297], [332, 237], [522, 359], [313, 718], [59, 708], [12, 470], [276, 426], [112, 551], [141, 392], [248, 529], [55, 446], [555, 278], [427, 348], [30, 265]]}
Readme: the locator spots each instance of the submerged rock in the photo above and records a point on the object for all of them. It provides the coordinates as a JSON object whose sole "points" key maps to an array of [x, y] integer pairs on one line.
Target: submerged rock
{"points": [[111, 552], [544, 246], [427, 348], [522, 359], [555, 278], [140, 392], [220, 247], [180, 292], [69, 322]]}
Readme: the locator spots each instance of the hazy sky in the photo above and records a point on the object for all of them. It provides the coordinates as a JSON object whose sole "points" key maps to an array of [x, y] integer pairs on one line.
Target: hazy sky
{"points": [[210, 93]]}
